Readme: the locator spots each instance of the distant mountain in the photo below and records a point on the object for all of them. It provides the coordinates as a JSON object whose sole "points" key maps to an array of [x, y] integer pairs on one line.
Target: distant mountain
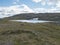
{"points": [[41, 16]]}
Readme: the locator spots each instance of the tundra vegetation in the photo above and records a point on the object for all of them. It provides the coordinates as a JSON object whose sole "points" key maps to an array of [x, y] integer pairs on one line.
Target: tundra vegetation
{"points": [[16, 33]]}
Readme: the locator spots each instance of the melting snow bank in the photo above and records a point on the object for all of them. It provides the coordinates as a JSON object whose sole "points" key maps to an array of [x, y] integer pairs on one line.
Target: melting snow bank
{"points": [[31, 21]]}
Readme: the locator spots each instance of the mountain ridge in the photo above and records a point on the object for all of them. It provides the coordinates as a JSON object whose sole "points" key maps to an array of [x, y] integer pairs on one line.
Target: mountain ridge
{"points": [[41, 16]]}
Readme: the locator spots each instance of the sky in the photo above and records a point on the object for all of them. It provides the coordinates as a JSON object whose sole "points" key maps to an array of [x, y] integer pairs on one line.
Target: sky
{"points": [[12, 7]]}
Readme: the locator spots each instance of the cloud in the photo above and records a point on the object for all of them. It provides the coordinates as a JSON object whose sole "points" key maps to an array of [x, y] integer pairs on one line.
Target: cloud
{"points": [[16, 1], [46, 2], [15, 9], [53, 6], [43, 2], [36, 1], [45, 10], [58, 4]]}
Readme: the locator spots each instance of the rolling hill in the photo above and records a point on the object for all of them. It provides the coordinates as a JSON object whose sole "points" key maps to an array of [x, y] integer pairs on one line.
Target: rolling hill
{"points": [[41, 16]]}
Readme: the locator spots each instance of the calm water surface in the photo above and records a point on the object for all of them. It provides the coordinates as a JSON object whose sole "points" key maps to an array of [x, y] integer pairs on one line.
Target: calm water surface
{"points": [[31, 21]]}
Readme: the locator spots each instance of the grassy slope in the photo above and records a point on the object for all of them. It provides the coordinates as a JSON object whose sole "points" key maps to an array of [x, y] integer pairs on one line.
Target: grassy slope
{"points": [[13, 33]]}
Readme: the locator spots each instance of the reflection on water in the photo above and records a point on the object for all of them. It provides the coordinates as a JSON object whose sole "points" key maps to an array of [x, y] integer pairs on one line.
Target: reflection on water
{"points": [[31, 21]]}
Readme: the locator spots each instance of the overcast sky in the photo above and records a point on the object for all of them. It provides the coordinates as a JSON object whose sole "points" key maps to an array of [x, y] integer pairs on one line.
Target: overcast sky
{"points": [[11, 7]]}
